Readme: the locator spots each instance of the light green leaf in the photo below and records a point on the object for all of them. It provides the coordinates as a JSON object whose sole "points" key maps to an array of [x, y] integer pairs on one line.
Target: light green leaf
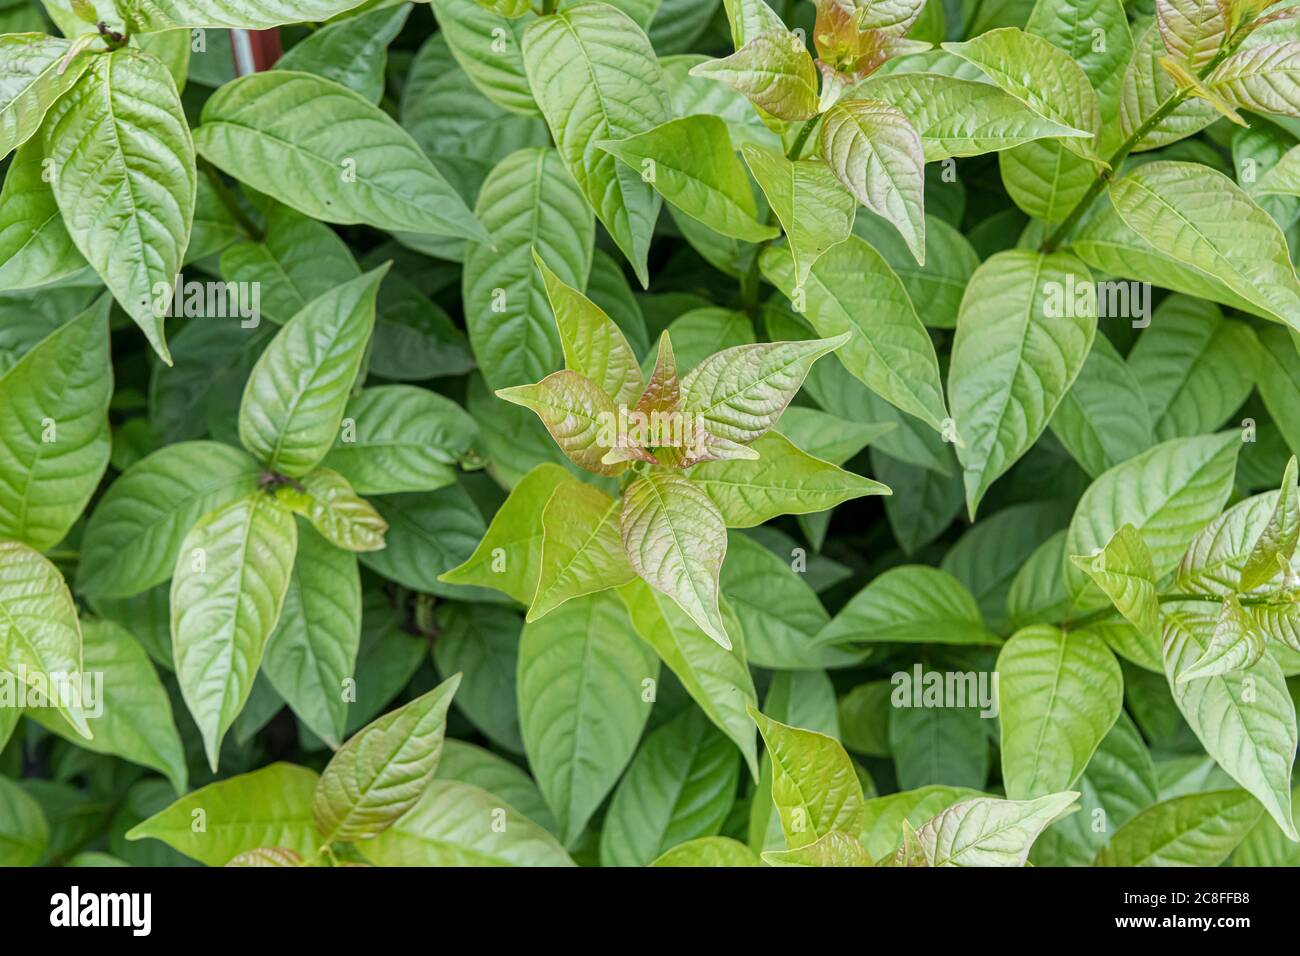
{"points": [[679, 787], [278, 132], [832, 849], [401, 438], [1059, 695], [717, 679], [1264, 78], [41, 634], [911, 604], [882, 831], [1199, 829], [1021, 341], [270, 807], [312, 652], [457, 824], [579, 415], [582, 548], [1192, 31], [876, 153], [593, 345], [815, 211], [957, 117], [1215, 558], [691, 162], [509, 556], [1279, 383], [774, 72], [1245, 719], [814, 785], [1279, 536], [1124, 570], [1283, 178], [261, 15], [1045, 179], [1042, 76], [709, 851], [529, 205], [24, 832], [485, 770], [749, 18], [989, 832], [35, 247], [326, 499], [1147, 86], [596, 78], [1202, 218], [1167, 493], [54, 438], [582, 706], [34, 74], [352, 51], [1235, 644], [1096, 34], [381, 772], [1102, 420], [226, 596], [135, 715], [126, 182], [675, 539], [297, 392], [852, 289], [487, 47]]}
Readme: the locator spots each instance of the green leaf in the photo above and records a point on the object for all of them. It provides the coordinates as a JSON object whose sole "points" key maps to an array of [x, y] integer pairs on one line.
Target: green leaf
{"points": [[1192, 31], [401, 438], [675, 539], [709, 851], [691, 163], [481, 642], [1264, 78], [277, 131], [1245, 719], [679, 787], [1283, 178], [832, 849], [1096, 34], [814, 785], [134, 536], [485, 770], [1279, 383], [911, 604], [815, 211], [580, 416], [1215, 558], [1045, 179], [41, 634], [312, 653], [510, 554], [1200, 217], [270, 807], [1021, 341], [989, 832], [1235, 644], [54, 438], [135, 715], [1279, 537], [1042, 76], [1124, 570], [593, 345], [582, 548], [381, 772], [1059, 695], [596, 78], [296, 261], [961, 117], [774, 72], [717, 679], [782, 480], [876, 153], [297, 392], [226, 596], [35, 247], [33, 77], [938, 745], [487, 47], [352, 52], [530, 206], [582, 681], [852, 289], [24, 832], [1167, 493], [1102, 420], [456, 824], [740, 392], [1199, 829], [882, 831], [326, 499], [126, 182], [242, 14]]}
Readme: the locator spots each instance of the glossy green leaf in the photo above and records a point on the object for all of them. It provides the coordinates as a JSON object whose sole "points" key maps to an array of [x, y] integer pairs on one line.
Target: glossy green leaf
{"points": [[1200, 829], [35, 247], [582, 547], [910, 604], [1124, 571], [988, 832], [773, 70]]}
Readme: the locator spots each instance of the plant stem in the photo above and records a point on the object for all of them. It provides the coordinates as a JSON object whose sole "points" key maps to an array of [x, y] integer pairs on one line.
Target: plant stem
{"points": [[749, 282], [229, 201], [1116, 158]]}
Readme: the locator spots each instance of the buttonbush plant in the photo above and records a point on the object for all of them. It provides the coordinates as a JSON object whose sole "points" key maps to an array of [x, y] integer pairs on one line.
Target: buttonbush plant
{"points": [[650, 432]]}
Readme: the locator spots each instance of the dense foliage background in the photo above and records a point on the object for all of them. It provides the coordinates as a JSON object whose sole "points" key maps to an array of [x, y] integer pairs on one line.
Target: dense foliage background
{"points": [[1015, 547]]}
